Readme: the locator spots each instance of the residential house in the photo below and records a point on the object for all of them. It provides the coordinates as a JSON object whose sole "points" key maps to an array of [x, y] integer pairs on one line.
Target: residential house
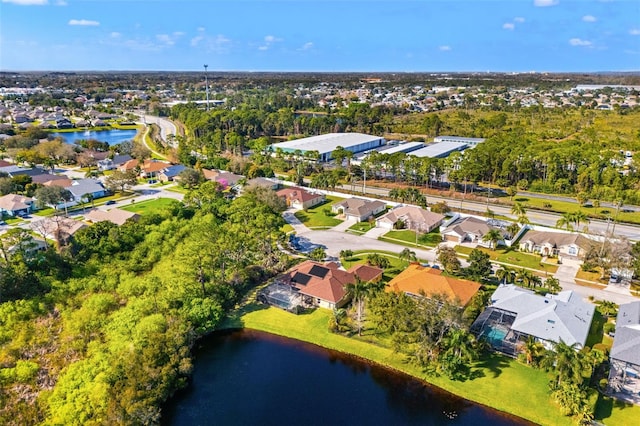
{"points": [[16, 205], [414, 218], [226, 179], [554, 243], [624, 375], [170, 173], [43, 179], [467, 230], [113, 163], [115, 215], [264, 182], [515, 313], [58, 228], [81, 187], [358, 209], [64, 123], [151, 168], [323, 285], [422, 281], [299, 198]]}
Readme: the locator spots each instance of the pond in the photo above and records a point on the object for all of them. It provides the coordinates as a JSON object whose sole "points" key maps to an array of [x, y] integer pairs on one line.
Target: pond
{"points": [[246, 377], [112, 137]]}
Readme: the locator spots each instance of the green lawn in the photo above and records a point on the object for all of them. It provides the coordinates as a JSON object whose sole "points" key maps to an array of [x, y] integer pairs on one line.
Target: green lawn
{"points": [[513, 258], [358, 258], [361, 227], [177, 188], [315, 217], [286, 228], [16, 220], [565, 206], [150, 206], [407, 237], [502, 383]]}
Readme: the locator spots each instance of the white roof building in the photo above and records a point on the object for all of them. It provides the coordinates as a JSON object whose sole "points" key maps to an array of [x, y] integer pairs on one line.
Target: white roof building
{"points": [[326, 144], [440, 149]]}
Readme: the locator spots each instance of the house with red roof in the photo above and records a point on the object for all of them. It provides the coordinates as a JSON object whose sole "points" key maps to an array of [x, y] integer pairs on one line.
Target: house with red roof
{"points": [[323, 285], [299, 198]]}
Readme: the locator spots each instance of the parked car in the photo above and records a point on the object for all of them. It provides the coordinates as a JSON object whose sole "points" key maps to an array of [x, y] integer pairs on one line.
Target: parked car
{"points": [[110, 202]]}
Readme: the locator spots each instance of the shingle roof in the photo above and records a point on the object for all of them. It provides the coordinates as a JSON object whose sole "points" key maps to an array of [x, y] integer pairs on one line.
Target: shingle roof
{"points": [[414, 214], [359, 207], [552, 317], [555, 239], [469, 225], [417, 279], [626, 344], [114, 215], [323, 281], [13, 202], [297, 194]]}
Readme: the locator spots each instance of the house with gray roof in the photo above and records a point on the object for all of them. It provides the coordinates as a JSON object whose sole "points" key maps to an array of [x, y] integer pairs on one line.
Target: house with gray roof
{"points": [[16, 205], [469, 229], [414, 218], [514, 314], [624, 375], [81, 187], [358, 209], [554, 243], [170, 173]]}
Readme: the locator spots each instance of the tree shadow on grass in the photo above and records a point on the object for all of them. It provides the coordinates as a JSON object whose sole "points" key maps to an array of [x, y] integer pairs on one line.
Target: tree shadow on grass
{"points": [[490, 363], [605, 405], [234, 318]]}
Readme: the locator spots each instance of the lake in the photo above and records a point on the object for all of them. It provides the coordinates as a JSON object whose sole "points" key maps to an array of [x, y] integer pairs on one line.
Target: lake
{"points": [[112, 137], [247, 377]]}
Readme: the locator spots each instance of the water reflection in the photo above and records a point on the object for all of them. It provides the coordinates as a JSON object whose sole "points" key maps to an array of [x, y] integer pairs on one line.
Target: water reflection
{"points": [[253, 378]]}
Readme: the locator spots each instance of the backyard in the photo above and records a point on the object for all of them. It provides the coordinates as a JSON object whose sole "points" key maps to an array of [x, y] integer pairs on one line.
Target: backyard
{"points": [[408, 237], [317, 218], [513, 258], [151, 206], [360, 257]]}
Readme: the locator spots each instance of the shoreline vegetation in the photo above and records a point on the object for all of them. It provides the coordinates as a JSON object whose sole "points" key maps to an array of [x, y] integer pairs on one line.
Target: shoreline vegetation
{"points": [[504, 384]]}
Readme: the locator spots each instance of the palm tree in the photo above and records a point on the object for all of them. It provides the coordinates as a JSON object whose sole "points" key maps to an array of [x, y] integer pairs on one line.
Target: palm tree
{"points": [[525, 277], [461, 344], [335, 322], [553, 285], [493, 236], [513, 229], [567, 363], [532, 350], [565, 221], [358, 291], [506, 275], [408, 255], [579, 217], [518, 209]]}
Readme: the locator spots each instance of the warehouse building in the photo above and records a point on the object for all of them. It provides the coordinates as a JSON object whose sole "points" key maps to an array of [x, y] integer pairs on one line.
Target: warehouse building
{"points": [[326, 144], [440, 149], [469, 141]]}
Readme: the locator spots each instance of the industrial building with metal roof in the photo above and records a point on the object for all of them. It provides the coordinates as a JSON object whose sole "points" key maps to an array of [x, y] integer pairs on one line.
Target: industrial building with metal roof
{"points": [[326, 144], [439, 149]]}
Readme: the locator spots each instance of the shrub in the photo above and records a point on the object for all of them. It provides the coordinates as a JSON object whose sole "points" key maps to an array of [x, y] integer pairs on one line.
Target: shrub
{"points": [[608, 328]]}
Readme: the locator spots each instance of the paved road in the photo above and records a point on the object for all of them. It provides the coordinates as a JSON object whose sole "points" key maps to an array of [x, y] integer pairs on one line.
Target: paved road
{"points": [[334, 241], [166, 127], [598, 227]]}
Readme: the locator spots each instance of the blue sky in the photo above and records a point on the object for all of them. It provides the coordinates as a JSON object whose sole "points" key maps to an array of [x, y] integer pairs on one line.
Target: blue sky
{"points": [[306, 35]]}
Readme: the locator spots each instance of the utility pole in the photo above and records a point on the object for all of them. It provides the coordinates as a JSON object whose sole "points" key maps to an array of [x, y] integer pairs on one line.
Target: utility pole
{"points": [[364, 181], [206, 84]]}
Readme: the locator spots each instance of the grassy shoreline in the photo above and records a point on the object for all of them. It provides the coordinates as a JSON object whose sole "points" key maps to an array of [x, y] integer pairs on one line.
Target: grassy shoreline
{"points": [[504, 384], [525, 384]]}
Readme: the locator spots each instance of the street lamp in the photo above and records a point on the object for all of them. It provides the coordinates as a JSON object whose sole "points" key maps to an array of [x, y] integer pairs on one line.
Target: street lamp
{"points": [[206, 84]]}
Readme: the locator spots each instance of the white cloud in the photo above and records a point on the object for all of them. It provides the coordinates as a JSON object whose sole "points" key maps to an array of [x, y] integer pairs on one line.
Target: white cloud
{"points": [[579, 42], [196, 40], [589, 18], [545, 3], [84, 22], [269, 40], [169, 39], [308, 45], [115, 34], [444, 48], [519, 19], [61, 3], [508, 26], [634, 31]]}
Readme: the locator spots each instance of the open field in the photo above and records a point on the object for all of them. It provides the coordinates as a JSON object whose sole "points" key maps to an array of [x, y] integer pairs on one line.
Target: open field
{"points": [[150, 206], [315, 217]]}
